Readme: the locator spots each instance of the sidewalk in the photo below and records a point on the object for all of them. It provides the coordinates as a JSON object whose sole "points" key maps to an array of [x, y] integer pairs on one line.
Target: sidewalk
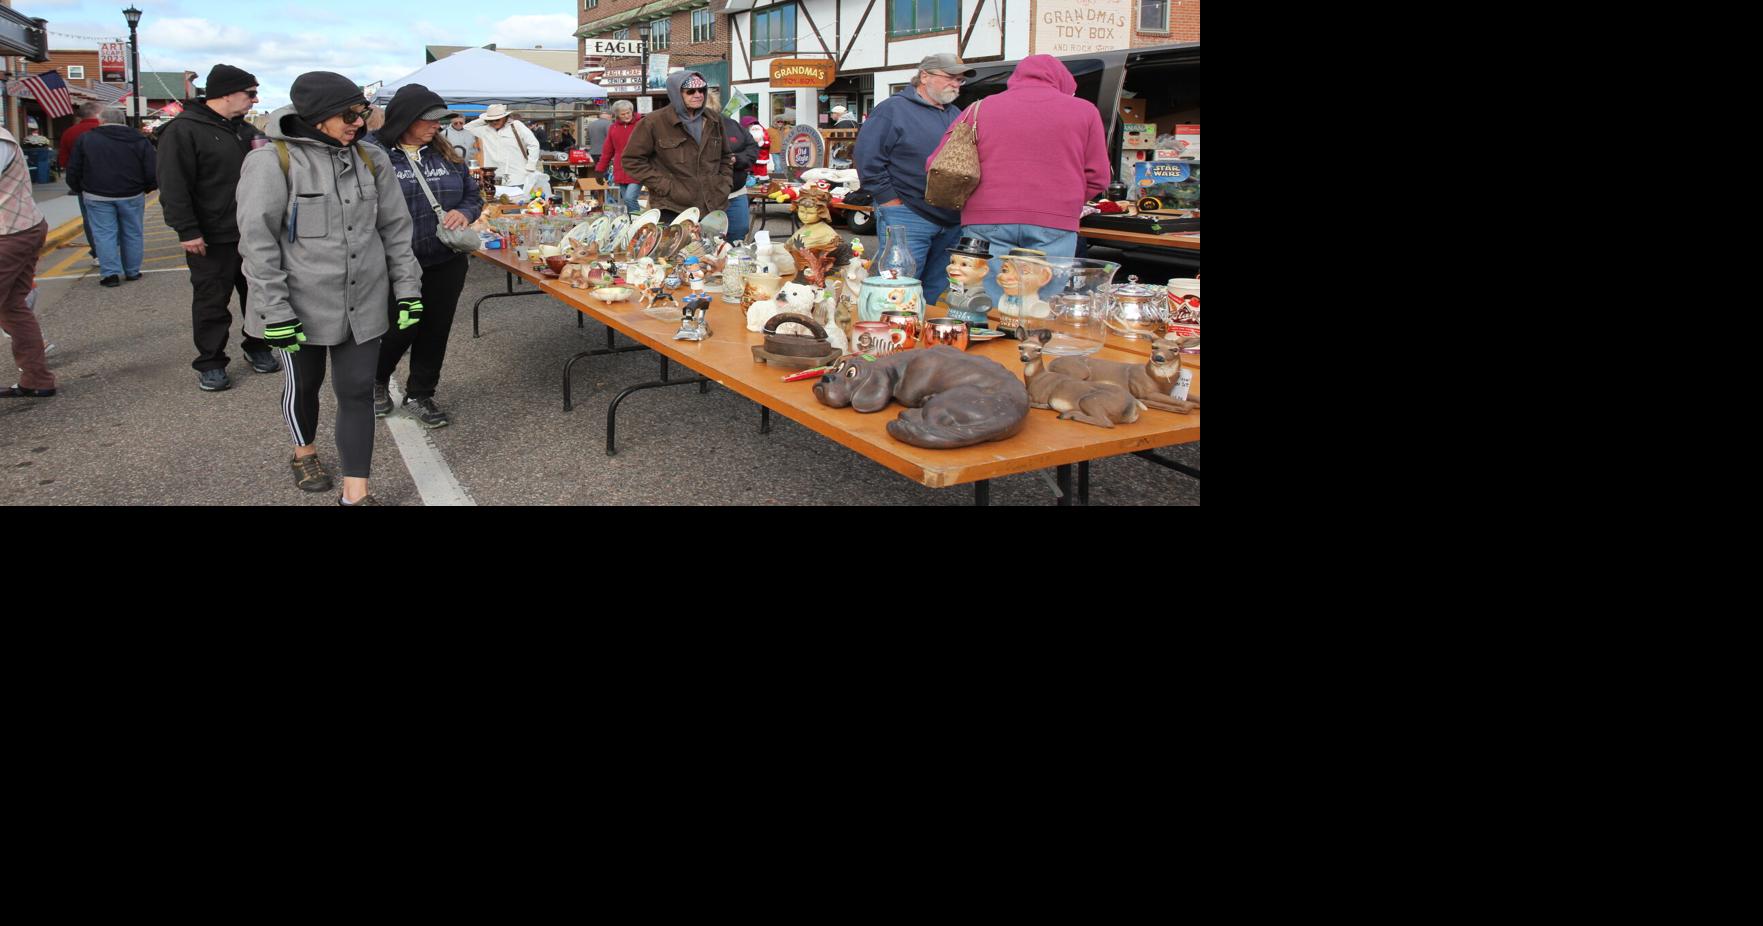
{"points": [[60, 208]]}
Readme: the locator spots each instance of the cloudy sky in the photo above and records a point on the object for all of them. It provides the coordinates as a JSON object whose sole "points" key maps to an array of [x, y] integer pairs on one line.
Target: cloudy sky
{"points": [[278, 40]]}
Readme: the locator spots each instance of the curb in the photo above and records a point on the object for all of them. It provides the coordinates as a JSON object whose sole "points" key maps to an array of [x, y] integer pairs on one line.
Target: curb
{"points": [[68, 231]]}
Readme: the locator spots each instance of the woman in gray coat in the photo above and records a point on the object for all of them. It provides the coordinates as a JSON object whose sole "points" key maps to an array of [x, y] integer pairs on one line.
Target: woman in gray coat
{"points": [[325, 237]]}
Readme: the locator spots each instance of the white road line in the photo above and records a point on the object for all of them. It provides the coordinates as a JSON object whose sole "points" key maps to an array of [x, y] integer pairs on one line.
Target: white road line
{"points": [[434, 479]]}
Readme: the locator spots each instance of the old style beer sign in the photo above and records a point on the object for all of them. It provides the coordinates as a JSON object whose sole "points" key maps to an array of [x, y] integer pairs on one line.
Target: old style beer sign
{"points": [[802, 72], [110, 62]]}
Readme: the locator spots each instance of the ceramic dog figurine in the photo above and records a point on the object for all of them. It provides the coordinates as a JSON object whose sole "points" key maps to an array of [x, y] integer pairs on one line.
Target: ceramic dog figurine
{"points": [[793, 298], [1101, 404], [952, 399], [1149, 382]]}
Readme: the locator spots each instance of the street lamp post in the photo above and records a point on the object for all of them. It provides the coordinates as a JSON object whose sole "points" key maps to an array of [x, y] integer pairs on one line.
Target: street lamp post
{"points": [[134, 17], [643, 82]]}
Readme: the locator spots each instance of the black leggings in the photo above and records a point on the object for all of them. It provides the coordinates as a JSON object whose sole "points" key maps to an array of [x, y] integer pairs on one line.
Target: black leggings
{"points": [[352, 382], [426, 340]]}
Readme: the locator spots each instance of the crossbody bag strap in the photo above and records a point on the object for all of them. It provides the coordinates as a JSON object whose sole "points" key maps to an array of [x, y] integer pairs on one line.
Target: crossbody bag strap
{"points": [[416, 166]]}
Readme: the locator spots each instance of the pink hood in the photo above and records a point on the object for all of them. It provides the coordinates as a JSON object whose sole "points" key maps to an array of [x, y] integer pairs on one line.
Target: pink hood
{"points": [[1042, 154]]}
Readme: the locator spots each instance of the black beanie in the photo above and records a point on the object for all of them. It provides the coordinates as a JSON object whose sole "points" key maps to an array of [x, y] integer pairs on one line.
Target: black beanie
{"points": [[225, 79], [319, 95], [408, 105]]}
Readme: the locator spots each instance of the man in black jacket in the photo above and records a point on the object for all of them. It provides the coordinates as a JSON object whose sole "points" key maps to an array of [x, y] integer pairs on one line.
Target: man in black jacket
{"points": [[112, 170], [199, 156], [742, 152]]}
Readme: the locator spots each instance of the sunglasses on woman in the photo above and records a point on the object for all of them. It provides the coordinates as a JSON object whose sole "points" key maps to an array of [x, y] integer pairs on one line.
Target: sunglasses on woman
{"points": [[357, 115]]}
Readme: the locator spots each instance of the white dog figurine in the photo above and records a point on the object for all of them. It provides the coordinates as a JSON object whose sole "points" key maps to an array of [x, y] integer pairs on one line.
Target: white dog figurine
{"points": [[793, 297]]}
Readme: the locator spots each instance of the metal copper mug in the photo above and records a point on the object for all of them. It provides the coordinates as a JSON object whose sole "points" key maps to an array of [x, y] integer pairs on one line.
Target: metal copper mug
{"points": [[949, 331], [905, 321]]}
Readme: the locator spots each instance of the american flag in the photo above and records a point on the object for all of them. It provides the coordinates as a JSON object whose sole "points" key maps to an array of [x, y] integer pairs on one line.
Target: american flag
{"points": [[51, 91]]}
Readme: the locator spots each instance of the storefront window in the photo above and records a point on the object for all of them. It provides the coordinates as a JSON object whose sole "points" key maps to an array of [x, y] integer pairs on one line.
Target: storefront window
{"points": [[774, 31], [1153, 15], [660, 34], [918, 17], [703, 25], [783, 106]]}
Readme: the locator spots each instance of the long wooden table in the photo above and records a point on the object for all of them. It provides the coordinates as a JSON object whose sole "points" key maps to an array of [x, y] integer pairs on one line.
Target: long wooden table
{"points": [[1189, 241], [727, 359]]}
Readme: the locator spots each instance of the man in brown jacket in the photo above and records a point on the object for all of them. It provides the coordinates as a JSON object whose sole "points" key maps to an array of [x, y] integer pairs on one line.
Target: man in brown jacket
{"points": [[677, 152]]}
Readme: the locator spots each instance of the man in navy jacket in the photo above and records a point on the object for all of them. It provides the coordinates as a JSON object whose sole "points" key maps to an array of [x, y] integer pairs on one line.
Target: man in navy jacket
{"points": [[892, 148], [112, 170]]}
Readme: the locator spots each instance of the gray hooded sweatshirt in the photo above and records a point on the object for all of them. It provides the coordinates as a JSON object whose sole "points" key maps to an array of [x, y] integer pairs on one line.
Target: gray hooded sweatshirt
{"points": [[350, 238], [693, 124]]}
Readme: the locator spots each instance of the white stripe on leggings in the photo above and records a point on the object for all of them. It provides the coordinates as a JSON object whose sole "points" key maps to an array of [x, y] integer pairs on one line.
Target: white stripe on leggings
{"points": [[290, 391]]}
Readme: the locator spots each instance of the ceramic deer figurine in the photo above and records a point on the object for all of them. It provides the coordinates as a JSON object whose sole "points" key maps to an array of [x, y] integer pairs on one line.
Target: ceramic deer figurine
{"points": [[1101, 404]]}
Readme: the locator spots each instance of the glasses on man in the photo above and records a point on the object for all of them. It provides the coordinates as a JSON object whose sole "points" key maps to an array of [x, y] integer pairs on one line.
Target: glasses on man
{"points": [[357, 115], [250, 93], [959, 80]]}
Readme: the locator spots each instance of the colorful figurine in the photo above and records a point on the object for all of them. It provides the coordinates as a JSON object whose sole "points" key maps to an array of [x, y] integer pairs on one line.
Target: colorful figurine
{"points": [[815, 246], [966, 297], [1021, 276]]}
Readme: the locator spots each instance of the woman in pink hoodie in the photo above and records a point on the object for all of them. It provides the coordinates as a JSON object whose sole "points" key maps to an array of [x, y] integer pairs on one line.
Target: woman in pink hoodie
{"points": [[1042, 155]]}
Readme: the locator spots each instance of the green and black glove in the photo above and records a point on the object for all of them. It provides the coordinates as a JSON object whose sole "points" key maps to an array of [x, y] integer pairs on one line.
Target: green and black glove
{"points": [[409, 312], [285, 335]]}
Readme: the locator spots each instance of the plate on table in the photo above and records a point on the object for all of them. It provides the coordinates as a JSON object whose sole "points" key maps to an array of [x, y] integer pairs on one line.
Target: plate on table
{"points": [[613, 235], [671, 238], [643, 239], [984, 334], [715, 225], [652, 217], [690, 215]]}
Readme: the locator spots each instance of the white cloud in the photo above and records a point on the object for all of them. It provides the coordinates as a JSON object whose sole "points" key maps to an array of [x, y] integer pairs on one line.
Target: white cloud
{"points": [[194, 35], [552, 30]]}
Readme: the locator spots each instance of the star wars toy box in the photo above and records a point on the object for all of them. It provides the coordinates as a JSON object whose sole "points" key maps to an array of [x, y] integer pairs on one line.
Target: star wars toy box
{"points": [[1175, 183]]}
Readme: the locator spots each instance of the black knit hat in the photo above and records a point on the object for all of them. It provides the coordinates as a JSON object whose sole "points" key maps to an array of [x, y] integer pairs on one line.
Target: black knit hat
{"points": [[319, 95], [225, 79], [410, 103]]}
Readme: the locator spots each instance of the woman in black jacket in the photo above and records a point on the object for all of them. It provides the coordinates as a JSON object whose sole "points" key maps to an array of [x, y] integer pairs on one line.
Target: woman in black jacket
{"points": [[411, 135], [112, 170]]}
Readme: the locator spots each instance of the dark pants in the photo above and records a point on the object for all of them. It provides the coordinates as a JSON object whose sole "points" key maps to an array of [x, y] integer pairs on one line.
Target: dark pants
{"points": [[427, 339], [18, 267], [215, 278], [351, 381]]}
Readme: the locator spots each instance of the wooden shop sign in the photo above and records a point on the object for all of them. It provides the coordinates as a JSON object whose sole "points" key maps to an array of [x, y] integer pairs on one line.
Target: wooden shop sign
{"points": [[802, 72]]}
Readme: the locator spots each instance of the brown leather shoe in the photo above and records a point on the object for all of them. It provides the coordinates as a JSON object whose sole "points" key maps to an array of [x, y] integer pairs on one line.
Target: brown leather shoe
{"points": [[310, 475]]}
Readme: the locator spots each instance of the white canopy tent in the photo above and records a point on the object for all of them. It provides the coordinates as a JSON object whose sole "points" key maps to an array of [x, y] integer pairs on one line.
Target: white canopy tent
{"points": [[480, 76]]}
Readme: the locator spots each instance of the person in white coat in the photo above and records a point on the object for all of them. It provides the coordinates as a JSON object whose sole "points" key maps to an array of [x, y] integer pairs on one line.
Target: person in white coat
{"points": [[510, 147]]}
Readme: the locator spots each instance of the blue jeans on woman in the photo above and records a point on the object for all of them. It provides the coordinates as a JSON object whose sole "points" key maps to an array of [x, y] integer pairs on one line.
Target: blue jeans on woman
{"points": [[740, 218], [118, 233], [928, 242], [630, 198], [1056, 242]]}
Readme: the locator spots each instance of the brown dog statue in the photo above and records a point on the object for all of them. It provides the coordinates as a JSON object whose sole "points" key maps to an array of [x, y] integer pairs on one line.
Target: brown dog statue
{"points": [[952, 399], [1149, 382]]}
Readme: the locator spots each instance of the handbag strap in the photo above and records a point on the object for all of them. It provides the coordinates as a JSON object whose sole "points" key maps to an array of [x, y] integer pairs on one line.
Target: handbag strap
{"points": [[974, 109], [416, 168]]}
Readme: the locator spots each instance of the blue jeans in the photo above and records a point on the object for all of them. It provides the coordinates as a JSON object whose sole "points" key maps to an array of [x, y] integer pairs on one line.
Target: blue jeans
{"points": [[86, 221], [740, 218], [1056, 242], [630, 198], [928, 242], [118, 233]]}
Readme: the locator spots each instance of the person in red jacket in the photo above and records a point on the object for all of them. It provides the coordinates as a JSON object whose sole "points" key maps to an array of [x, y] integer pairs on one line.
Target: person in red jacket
{"points": [[624, 122], [88, 113], [1042, 155]]}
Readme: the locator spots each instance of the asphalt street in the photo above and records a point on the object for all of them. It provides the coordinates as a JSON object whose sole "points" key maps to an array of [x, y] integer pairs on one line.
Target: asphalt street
{"points": [[129, 426]]}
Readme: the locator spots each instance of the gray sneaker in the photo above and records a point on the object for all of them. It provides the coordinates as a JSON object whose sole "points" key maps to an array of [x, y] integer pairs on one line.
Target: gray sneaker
{"points": [[426, 413], [382, 400], [213, 380], [263, 360]]}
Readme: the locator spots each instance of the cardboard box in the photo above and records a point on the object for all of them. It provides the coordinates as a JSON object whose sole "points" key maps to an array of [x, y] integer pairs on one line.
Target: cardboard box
{"points": [[590, 184], [1140, 135], [1132, 111], [1176, 183], [1187, 141]]}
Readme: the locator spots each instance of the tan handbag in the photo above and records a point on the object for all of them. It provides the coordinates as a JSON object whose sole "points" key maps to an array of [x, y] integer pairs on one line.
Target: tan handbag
{"points": [[954, 173]]}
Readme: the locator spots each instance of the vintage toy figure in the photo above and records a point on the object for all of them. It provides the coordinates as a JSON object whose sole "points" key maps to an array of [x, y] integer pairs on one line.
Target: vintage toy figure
{"points": [[1021, 276], [815, 246], [966, 297]]}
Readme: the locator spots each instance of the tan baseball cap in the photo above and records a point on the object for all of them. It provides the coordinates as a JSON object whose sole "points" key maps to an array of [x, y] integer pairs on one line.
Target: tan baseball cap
{"points": [[948, 64]]}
